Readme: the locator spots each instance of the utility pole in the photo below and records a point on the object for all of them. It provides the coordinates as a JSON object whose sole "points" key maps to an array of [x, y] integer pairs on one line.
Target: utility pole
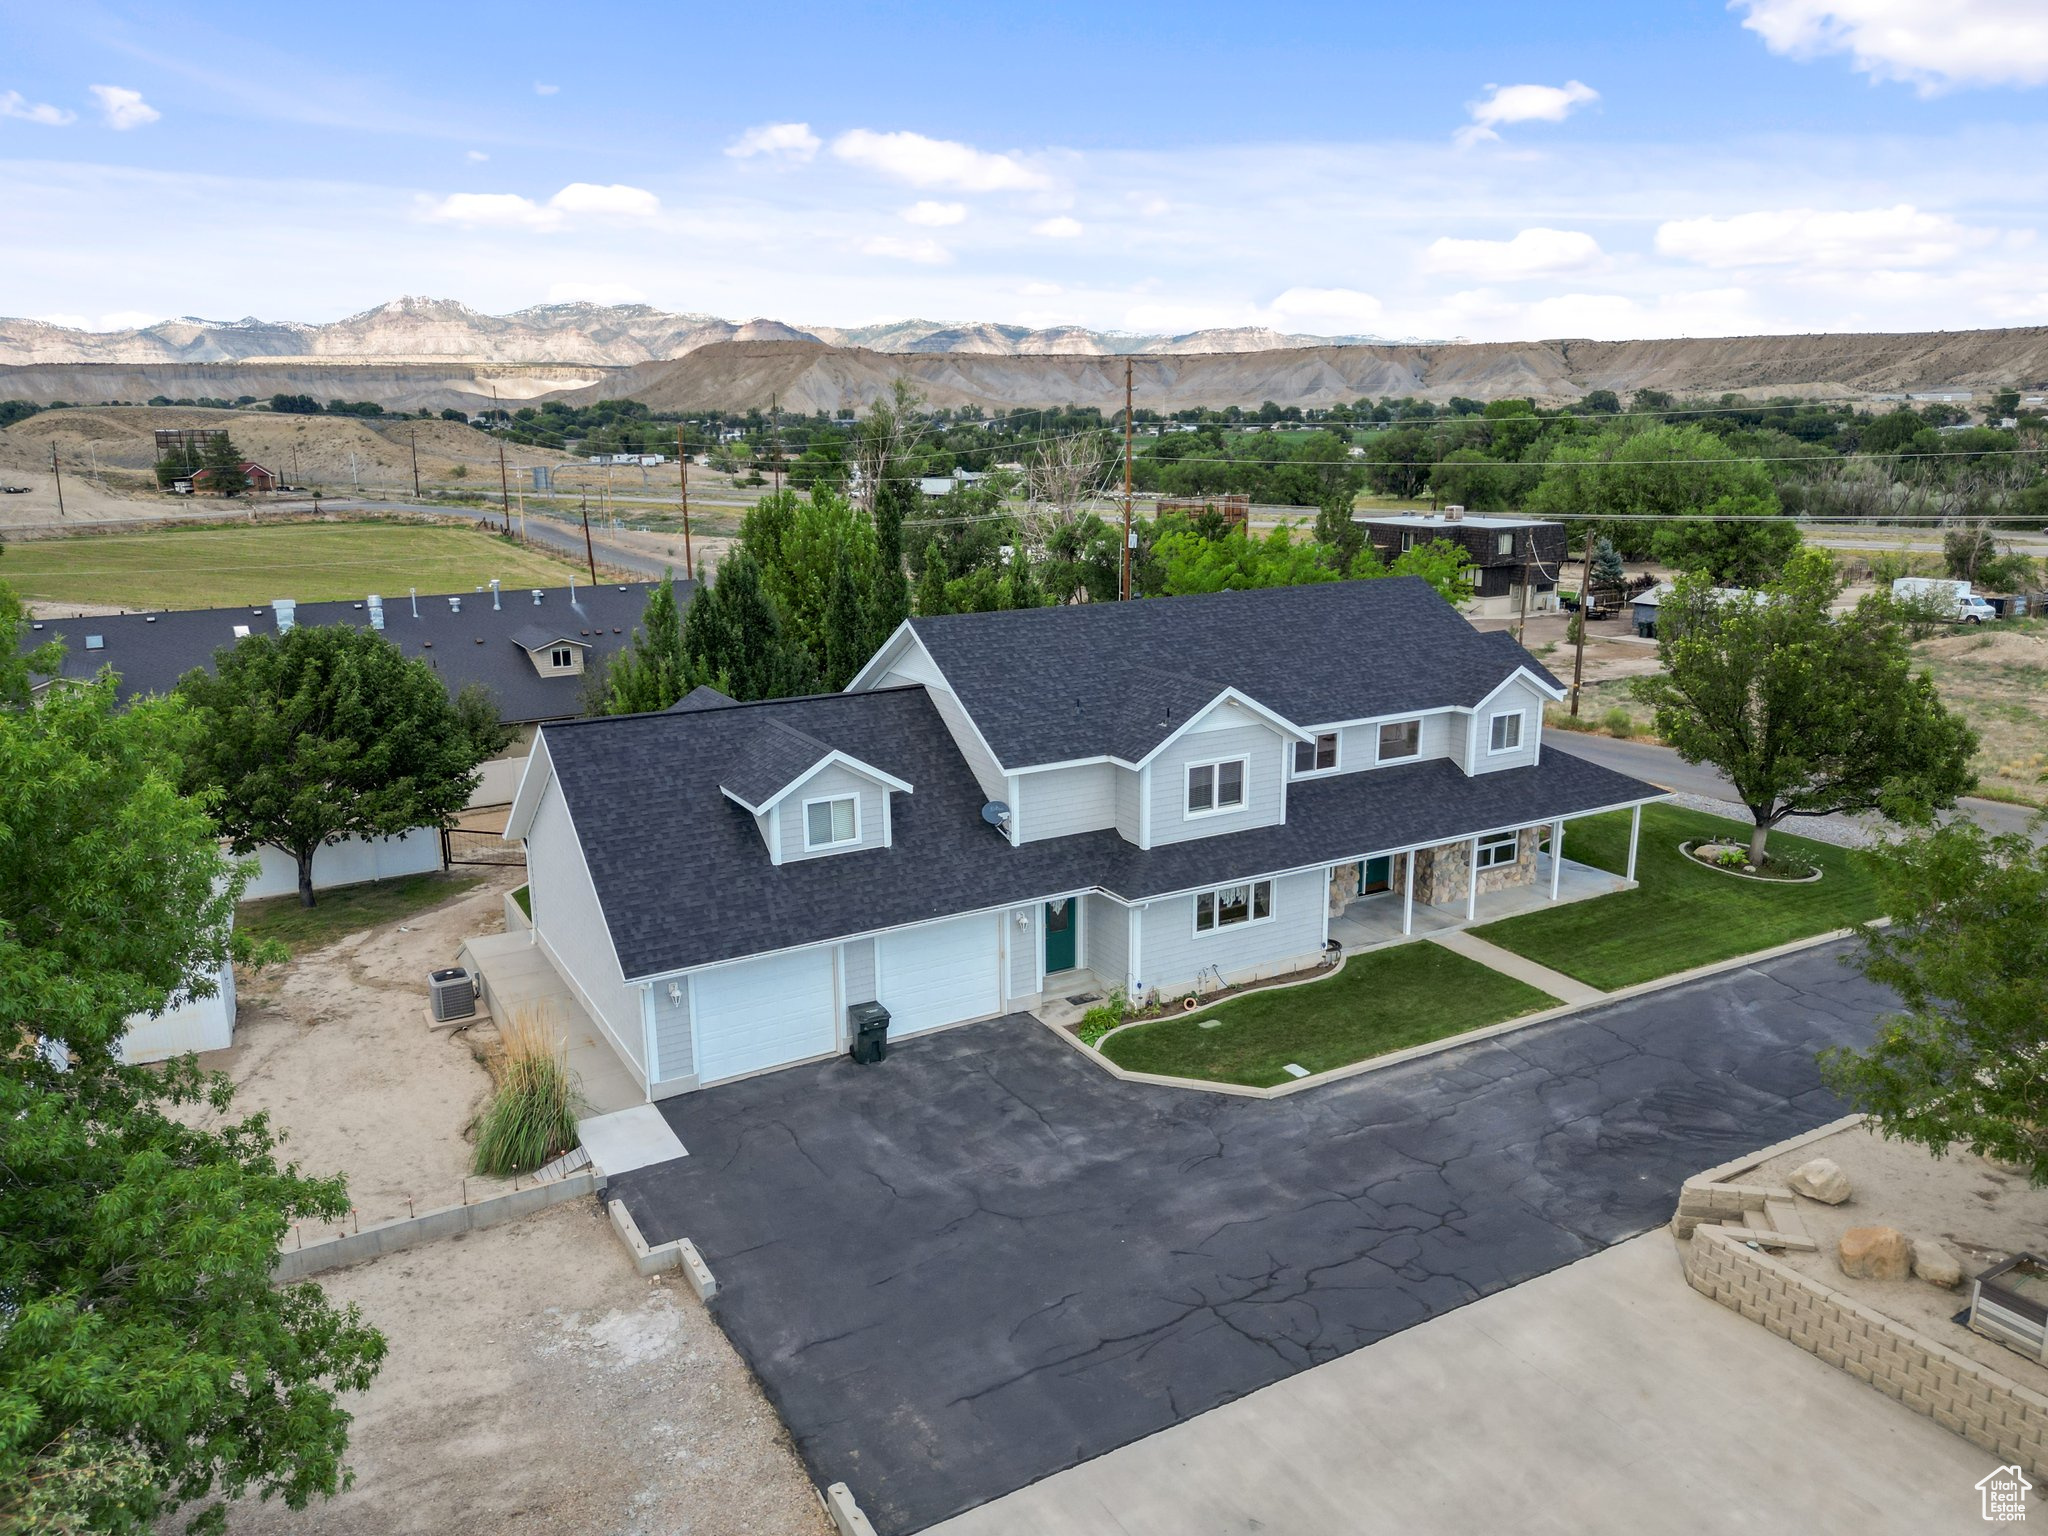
{"points": [[57, 474], [1127, 478], [415, 437], [1522, 618], [504, 485], [588, 556], [683, 464], [1579, 653]]}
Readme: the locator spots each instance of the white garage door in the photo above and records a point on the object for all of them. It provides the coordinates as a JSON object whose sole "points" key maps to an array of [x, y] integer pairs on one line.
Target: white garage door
{"points": [[941, 974], [763, 1013]]}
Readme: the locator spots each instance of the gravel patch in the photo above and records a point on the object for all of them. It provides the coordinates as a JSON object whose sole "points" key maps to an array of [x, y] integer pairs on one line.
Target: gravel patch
{"points": [[1842, 831]]}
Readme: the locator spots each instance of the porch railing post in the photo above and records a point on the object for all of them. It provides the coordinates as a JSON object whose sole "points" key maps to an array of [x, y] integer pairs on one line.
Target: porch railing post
{"points": [[1635, 828], [1408, 895], [1556, 854], [1472, 885]]}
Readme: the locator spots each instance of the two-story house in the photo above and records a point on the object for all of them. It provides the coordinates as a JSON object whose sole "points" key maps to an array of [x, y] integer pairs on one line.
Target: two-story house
{"points": [[1159, 796]]}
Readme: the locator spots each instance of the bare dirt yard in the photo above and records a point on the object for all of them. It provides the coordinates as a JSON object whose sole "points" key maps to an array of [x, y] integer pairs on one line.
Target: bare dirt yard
{"points": [[335, 1045], [1999, 681], [537, 1383]]}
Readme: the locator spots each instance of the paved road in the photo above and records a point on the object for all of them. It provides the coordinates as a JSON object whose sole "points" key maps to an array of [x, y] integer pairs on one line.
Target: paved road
{"points": [[986, 1261], [558, 536], [1662, 766]]}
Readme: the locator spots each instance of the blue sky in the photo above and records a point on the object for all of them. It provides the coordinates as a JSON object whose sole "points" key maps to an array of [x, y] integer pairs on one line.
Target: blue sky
{"points": [[1491, 171]]}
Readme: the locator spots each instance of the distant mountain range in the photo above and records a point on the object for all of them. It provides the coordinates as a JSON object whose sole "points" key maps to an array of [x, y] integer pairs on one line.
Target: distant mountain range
{"points": [[423, 330]]}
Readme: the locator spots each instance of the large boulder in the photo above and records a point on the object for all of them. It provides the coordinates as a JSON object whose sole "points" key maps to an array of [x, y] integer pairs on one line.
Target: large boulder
{"points": [[1822, 1180], [1935, 1264], [1875, 1253]]}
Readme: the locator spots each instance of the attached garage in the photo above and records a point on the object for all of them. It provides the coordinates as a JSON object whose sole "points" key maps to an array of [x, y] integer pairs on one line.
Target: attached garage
{"points": [[941, 973], [763, 1013]]}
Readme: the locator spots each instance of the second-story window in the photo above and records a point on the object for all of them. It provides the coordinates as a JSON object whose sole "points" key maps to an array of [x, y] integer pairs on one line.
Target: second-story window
{"points": [[561, 658], [830, 823], [1318, 756], [1504, 543], [1399, 739], [1214, 787], [1505, 732]]}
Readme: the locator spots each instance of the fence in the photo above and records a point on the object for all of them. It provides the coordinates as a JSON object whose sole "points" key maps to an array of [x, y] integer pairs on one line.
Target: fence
{"points": [[461, 845]]}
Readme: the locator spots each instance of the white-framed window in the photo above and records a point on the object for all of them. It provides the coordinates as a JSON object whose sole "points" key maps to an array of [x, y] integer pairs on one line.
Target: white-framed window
{"points": [[1218, 786], [1318, 756], [561, 657], [831, 822], [1504, 543], [1504, 732], [1407, 540], [1234, 906], [1399, 739], [1498, 848]]}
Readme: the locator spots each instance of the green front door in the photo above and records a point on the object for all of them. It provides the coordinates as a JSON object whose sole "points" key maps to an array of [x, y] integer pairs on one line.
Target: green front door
{"points": [[1062, 922], [1375, 874]]}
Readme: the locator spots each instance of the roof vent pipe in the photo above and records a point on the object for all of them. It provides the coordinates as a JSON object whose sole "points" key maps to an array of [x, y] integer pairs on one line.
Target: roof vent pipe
{"points": [[415, 602], [494, 594], [376, 612], [455, 605], [284, 607], [536, 597]]}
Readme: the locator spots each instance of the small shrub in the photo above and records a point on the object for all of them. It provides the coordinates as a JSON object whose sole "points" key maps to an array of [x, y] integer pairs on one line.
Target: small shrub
{"points": [[532, 1114], [1559, 720], [1102, 1018], [1616, 722]]}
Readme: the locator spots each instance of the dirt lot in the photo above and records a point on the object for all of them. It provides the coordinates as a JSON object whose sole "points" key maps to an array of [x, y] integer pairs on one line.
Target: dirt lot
{"points": [[536, 1383], [1981, 1213], [1999, 681], [335, 1045]]}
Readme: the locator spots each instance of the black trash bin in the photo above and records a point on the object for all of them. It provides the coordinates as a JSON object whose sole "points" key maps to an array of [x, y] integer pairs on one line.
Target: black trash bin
{"points": [[868, 1024]]}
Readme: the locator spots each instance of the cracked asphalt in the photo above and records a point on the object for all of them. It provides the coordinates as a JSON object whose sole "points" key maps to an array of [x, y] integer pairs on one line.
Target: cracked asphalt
{"points": [[985, 1261]]}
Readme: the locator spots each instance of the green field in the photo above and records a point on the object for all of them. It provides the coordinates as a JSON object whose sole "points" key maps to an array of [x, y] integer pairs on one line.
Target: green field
{"points": [[229, 566], [1682, 914]]}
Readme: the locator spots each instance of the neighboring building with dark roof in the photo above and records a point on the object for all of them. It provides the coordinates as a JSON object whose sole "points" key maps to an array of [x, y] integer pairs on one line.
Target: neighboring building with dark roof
{"points": [[530, 646], [1162, 797], [1506, 553]]}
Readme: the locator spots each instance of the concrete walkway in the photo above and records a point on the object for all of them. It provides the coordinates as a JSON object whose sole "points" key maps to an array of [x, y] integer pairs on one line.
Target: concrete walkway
{"points": [[1606, 1396], [1560, 986]]}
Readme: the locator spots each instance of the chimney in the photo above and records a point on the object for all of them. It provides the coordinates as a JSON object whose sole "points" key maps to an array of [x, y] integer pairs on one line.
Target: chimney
{"points": [[284, 607], [376, 612], [494, 594]]}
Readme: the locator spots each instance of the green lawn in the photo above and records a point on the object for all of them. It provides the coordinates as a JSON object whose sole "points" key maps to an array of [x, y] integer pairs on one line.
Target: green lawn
{"points": [[232, 565], [348, 909], [1384, 1000], [1682, 914]]}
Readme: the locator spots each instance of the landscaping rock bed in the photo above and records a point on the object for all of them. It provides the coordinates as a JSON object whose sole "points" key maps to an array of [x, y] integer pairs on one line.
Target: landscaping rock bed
{"points": [[1733, 859]]}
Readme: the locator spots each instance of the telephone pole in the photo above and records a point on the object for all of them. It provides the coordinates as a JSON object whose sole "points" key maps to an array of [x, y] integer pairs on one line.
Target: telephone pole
{"points": [[415, 438], [1127, 478], [683, 464], [504, 484], [588, 556], [58, 475], [1579, 652]]}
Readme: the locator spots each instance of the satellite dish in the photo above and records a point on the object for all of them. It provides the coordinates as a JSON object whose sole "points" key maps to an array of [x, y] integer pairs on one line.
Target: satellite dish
{"points": [[996, 814]]}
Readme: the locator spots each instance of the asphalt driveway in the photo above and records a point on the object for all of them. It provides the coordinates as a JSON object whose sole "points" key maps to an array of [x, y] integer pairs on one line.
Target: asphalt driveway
{"points": [[986, 1261]]}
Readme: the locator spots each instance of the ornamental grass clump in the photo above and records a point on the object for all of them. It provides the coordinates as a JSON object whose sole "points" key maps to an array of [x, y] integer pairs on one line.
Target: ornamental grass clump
{"points": [[532, 1114]]}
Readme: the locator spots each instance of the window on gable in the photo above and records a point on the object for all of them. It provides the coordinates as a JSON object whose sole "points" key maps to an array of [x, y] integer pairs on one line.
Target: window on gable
{"points": [[561, 657], [1216, 787], [1500, 848], [1399, 739], [1318, 756], [829, 823], [1505, 732], [1233, 906]]}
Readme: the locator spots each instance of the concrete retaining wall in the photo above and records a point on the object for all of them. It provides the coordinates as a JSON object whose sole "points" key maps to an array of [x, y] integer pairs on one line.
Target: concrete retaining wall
{"points": [[432, 1226], [1989, 1411]]}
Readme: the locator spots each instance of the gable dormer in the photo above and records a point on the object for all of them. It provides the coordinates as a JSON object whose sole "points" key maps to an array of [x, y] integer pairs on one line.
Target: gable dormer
{"points": [[808, 799], [552, 652]]}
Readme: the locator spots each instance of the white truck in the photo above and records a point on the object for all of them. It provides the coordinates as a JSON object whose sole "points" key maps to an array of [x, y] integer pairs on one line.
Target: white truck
{"points": [[1953, 600]]}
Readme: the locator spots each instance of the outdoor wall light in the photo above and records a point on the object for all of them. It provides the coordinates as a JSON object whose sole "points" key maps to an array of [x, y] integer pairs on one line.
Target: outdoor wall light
{"points": [[675, 993]]}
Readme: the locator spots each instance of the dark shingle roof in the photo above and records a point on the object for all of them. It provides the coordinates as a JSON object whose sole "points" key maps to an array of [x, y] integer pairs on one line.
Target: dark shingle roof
{"points": [[538, 637], [684, 880], [1049, 685], [151, 652], [703, 696], [769, 758]]}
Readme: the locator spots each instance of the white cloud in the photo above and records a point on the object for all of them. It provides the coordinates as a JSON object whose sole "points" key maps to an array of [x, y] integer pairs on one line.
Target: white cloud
{"points": [[1522, 104], [476, 157], [1859, 240], [1058, 228], [122, 108], [620, 201], [923, 162], [934, 215], [1532, 253], [119, 320], [794, 140], [540, 89], [14, 104], [1931, 43], [595, 293], [927, 253], [1337, 309], [1040, 290]]}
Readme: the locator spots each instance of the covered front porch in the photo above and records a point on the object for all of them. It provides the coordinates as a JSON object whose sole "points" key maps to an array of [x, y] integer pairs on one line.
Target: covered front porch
{"points": [[1401, 908]]}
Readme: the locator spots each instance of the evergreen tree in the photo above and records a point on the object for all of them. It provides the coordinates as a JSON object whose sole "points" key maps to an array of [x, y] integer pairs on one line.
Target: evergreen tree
{"points": [[734, 639], [847, 626], [892, 588], [931, 586], [222, 461], [1607, 568], [1020, 588], [651, 672]]}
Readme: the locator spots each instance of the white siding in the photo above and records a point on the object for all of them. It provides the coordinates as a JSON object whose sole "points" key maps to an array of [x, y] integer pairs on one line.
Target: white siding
{"points": [[197, 1024], [825, 784], [1172, 954], [1260, 743], [569, 926], [672, 1045], [1129, 804], [1518, 695], [859, 961], [1063, 801], [348, 862], [1106, 940], [1456, 729], [1024, 940], [914, 666], [1442, 736]]}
